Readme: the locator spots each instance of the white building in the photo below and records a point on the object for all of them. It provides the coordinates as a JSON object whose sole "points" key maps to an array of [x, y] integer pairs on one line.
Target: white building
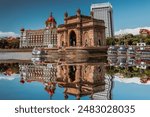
{"points": [[106, 94], [103, 11], [41, 37]]}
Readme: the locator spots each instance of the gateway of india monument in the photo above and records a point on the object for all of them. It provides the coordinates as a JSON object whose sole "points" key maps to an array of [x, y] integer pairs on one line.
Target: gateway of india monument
{"points": [[77, 31], [81, 31]]}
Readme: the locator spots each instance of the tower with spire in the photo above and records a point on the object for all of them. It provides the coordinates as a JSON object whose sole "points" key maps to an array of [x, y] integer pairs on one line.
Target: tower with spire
{"points": [[51, 22]]}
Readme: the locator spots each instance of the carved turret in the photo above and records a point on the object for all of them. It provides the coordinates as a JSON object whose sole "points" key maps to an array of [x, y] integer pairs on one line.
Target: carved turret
{"points": [[92, 14], [65, 14], [78, 12]]}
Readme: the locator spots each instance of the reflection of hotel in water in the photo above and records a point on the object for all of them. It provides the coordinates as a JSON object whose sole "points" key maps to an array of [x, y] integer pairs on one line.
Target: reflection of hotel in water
{"points": [[77, 80], [41, 73], [31, 72]]}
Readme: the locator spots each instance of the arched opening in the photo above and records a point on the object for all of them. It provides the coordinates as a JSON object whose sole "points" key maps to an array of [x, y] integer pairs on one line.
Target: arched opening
{"points": [[62, 43], [99, 42], [72, 71], [72, 38]]}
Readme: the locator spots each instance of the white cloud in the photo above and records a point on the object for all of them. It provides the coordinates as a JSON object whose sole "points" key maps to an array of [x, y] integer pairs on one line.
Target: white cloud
{"points": [[8, 34], [135, 80], [12, 77], [134, 31]]}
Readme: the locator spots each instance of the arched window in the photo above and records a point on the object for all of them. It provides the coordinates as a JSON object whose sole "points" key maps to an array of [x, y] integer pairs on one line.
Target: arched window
{"points": [[86, 40], [62, 40]]}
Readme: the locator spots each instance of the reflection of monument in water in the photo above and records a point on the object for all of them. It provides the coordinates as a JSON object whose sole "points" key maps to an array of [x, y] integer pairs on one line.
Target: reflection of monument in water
{"points": [[45, 74], [79, 79], [82, 80]]}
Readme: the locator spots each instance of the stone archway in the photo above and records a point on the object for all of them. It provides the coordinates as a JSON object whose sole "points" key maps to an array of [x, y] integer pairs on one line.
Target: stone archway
{"points": [[99, 42], [72, 73], [72, 39]]}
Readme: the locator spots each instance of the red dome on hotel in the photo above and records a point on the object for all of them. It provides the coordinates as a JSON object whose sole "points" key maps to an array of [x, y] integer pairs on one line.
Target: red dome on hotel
{"points": [[51, 19]]}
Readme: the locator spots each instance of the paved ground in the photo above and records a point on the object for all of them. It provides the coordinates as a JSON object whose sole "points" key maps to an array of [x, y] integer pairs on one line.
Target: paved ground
{"points": [[15, 50], [15, 55]]}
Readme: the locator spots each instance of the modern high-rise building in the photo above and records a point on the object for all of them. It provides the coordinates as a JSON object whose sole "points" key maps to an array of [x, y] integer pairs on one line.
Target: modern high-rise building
{"points": [[103, 11]]}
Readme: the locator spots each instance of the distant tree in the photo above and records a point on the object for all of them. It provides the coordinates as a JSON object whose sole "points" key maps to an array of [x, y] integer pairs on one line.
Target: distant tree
{"points": [[3, 43], [6, 43], [110, 41]]}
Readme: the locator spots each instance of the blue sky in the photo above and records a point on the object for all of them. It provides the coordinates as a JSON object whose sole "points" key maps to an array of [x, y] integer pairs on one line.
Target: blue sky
{"points": [[27, 91], [31, 14]]}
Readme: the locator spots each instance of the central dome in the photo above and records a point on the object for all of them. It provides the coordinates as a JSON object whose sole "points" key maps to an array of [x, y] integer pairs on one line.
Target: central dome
{"points": [[51, 19]]}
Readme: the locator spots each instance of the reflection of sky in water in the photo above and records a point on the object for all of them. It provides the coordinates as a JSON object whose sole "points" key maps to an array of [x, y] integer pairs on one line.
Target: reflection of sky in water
{"points": [[130, 91], [13, 89]]}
